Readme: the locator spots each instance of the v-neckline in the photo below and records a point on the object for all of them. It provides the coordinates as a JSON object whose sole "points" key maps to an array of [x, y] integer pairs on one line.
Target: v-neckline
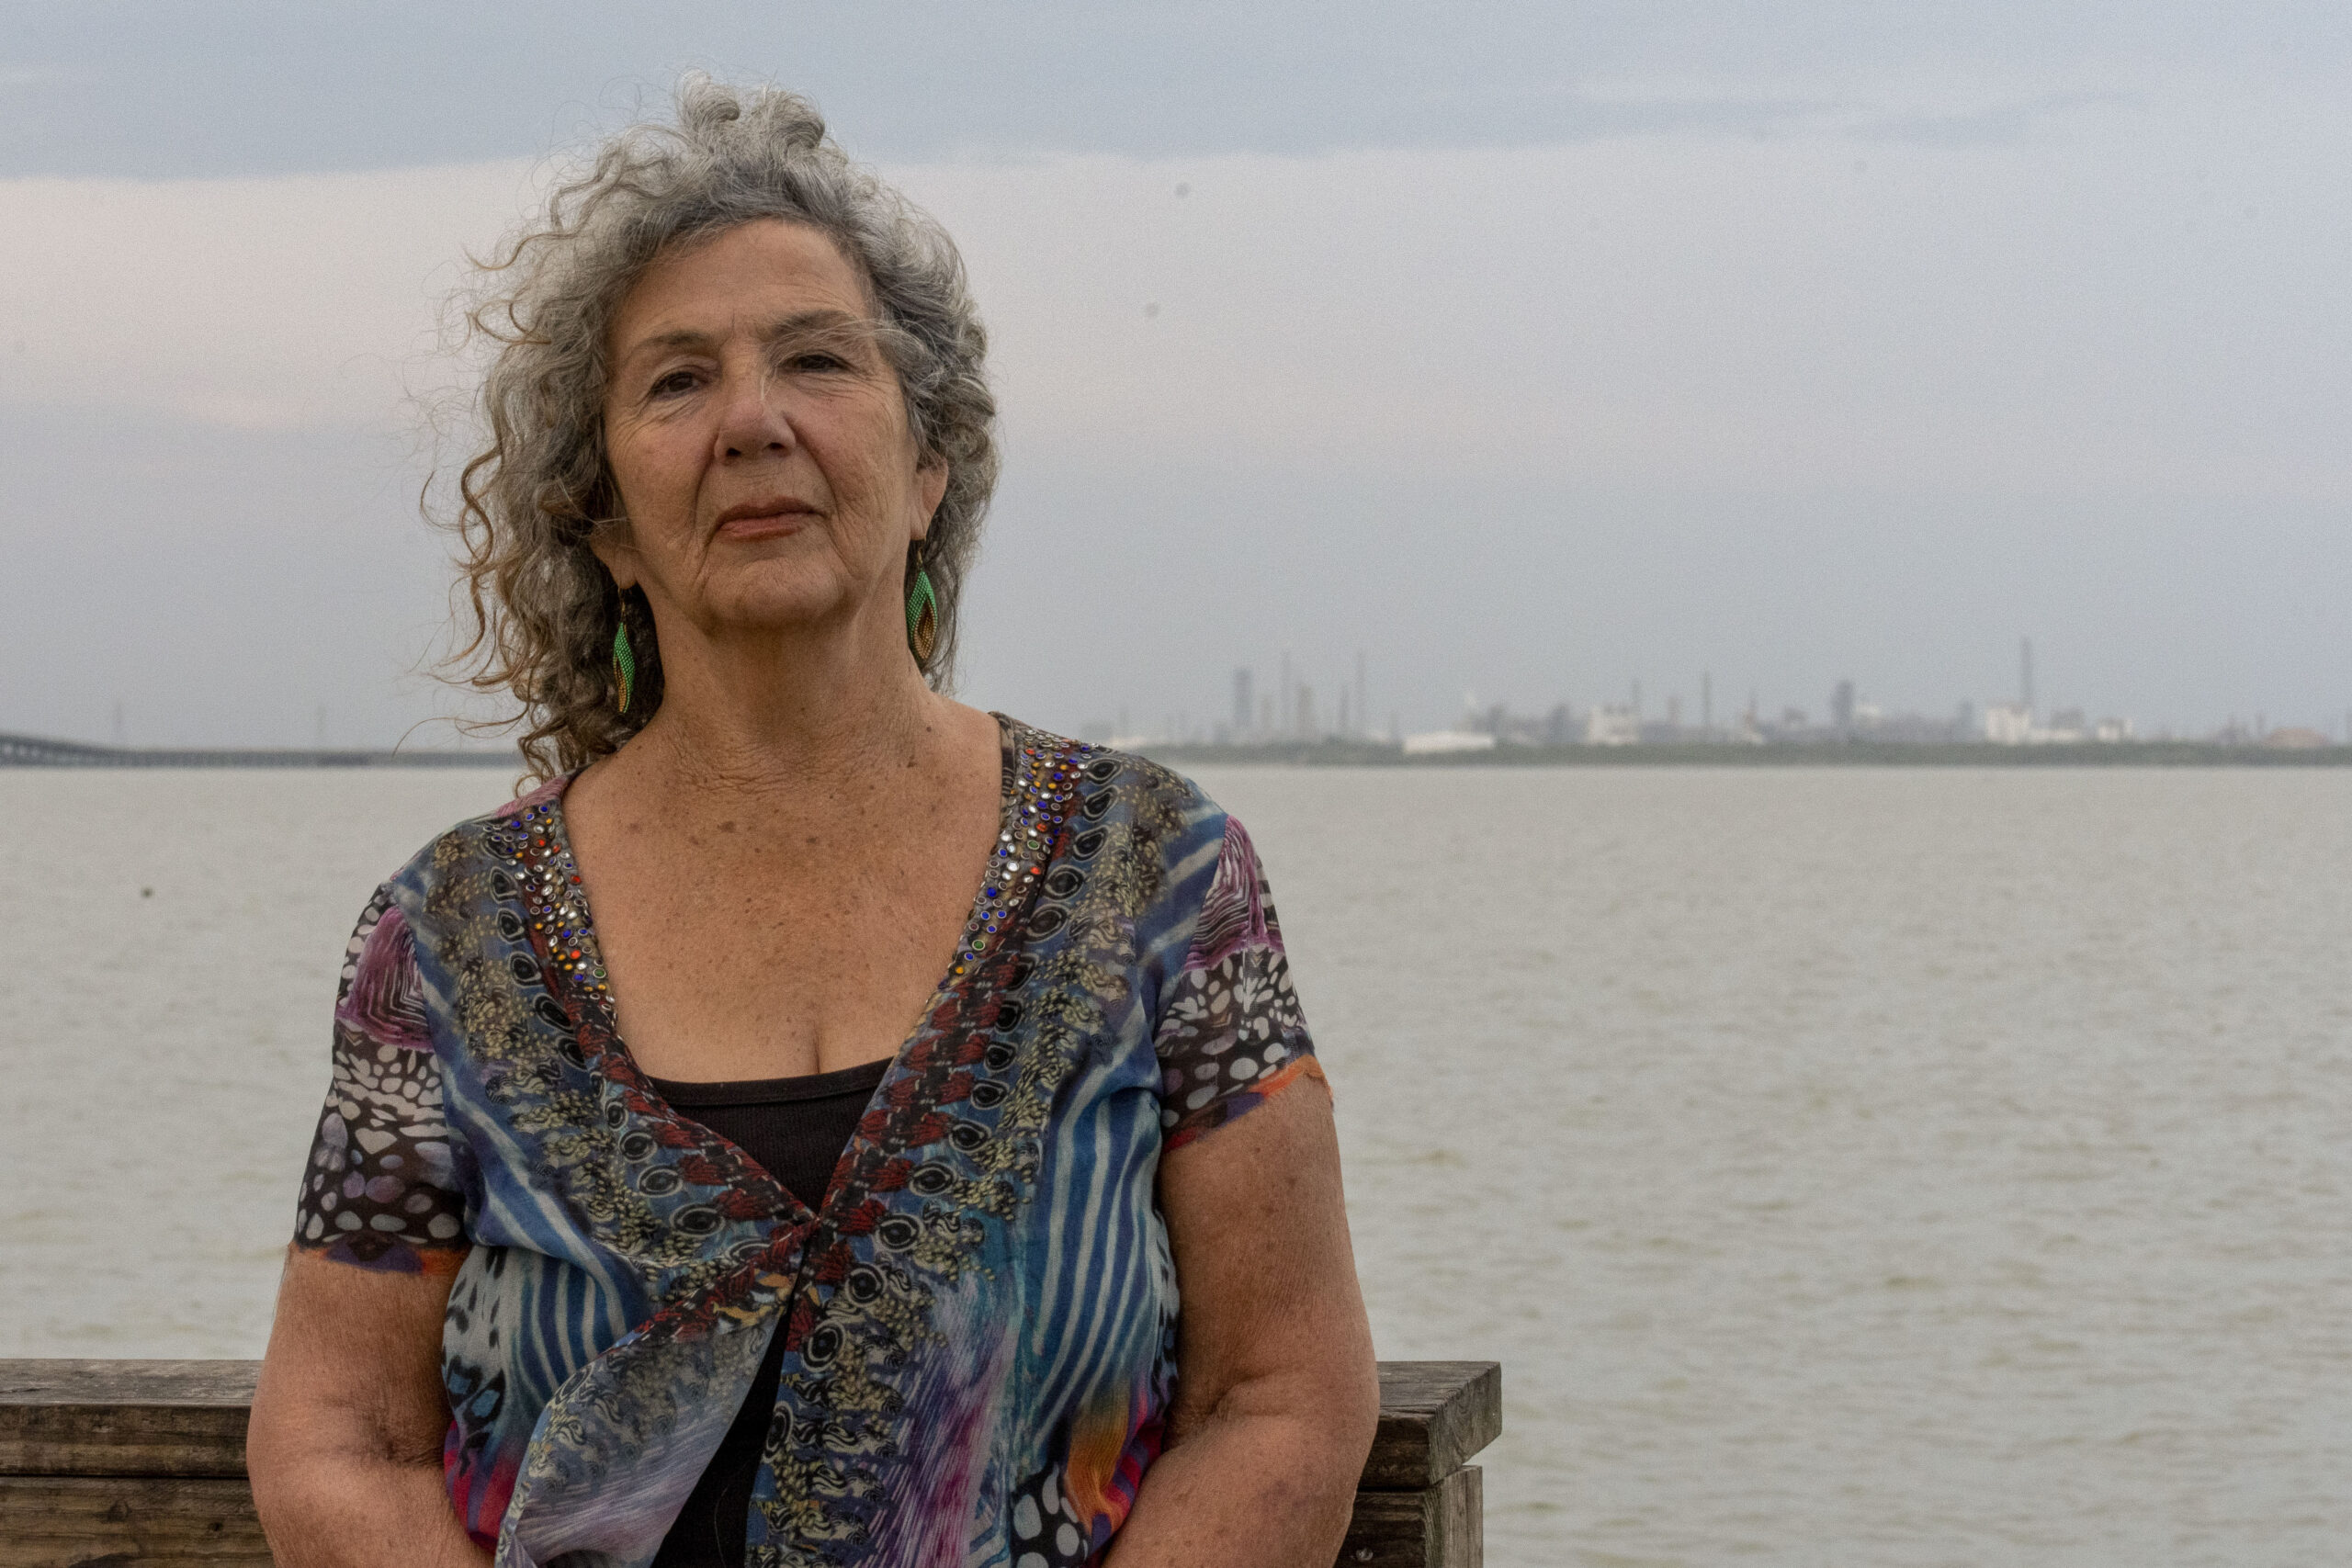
{"points": [[588, 950], [1036, 782]]}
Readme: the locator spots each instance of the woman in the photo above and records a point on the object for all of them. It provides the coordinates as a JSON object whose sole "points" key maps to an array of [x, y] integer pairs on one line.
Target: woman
{"points": [[956, 1054]]}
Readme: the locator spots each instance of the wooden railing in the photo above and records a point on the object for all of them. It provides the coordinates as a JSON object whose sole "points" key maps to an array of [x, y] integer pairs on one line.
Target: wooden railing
{"points": [[141, 1464]]}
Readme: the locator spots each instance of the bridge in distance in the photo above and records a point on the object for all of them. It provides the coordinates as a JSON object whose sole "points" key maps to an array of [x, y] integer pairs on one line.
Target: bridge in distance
{"points": [[36, 751]]}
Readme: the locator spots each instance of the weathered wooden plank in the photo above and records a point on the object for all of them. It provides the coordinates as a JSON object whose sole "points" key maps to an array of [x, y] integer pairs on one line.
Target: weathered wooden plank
{"points": [[118, 1521], [121, 1522], [192, 1383], [107, 1464], [86, 1417], [1438, 1527], [96, 1418], [1434, 1416]]}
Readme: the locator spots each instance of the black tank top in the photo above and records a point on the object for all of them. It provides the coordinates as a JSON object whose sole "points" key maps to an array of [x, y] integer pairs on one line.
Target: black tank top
{"points": [[796, 1129]]}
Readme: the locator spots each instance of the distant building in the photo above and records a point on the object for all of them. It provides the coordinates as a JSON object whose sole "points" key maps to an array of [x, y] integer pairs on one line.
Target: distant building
{"points": [[1439, 741], [1509, 728], [1245, 701], [2295, 739], [1612, 725], [1911, 729], [2012, 724], [2009, 724], [1842, 705]]}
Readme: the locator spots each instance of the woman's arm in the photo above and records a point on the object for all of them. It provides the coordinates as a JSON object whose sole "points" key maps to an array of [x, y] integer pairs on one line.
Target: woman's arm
{"points": [[344, 1449], [1277, 1395]]}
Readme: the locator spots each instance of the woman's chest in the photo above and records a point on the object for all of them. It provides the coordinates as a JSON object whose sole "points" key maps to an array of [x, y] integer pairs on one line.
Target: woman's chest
{"points": [[741, 966]]}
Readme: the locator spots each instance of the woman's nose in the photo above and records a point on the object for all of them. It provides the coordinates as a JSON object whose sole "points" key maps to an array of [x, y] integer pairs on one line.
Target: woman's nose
{"points": [[751, 418]]}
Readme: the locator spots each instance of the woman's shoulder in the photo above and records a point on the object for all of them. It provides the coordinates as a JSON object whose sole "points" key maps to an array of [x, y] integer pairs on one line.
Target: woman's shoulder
{"points": [[474, 844], [1108, 780]]}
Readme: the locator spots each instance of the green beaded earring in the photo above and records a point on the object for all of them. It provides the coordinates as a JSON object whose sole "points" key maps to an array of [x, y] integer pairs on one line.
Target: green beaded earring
{"points": [[624, 663], [923, 614]]}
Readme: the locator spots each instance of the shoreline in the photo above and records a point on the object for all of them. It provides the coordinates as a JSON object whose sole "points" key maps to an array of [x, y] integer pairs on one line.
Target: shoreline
{"points": [[34, 751], [1824, 754], [39, 751]]}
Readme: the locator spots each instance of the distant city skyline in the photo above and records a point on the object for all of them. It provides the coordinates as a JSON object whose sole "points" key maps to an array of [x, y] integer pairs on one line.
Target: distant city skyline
{"points": [[1286, 706], [1731, 348], [1290, 709]]}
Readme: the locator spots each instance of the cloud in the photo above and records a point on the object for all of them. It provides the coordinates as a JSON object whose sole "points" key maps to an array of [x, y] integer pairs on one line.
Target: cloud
{"points": [[1947, 113], [1795, 392], [247, 86], [2095, 312], [1695, 311], [292, 302], [1998, 124]]}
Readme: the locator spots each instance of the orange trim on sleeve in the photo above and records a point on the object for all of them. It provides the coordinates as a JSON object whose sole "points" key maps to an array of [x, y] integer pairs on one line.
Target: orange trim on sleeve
{"points": [[1300, 1067], [1240, 1105]]}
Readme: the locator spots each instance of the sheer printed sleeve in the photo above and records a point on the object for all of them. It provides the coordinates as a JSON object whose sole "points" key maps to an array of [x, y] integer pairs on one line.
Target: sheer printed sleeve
{"points": [[1230, 1034], [379, 1191]]}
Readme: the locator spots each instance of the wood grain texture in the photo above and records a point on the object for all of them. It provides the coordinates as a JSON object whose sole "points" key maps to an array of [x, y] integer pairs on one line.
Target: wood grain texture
{"points": [[96, 1417], [83, 1417], [1438, 1527], [123, 1418], [1434, 1416], [116, 1521], [112, 1464]]}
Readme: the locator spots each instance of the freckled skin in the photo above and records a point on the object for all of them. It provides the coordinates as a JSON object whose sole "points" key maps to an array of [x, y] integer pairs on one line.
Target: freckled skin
{"points": [[778, 866], [812, 941]]}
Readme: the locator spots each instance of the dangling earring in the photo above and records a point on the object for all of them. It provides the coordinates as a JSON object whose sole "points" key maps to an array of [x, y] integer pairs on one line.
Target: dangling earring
{"points": [[624, 663], [923, 614]]}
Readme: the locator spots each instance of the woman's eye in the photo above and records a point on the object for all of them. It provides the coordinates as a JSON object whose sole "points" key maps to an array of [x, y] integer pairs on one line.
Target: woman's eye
{"points": [[676, 381], [816, 359]]}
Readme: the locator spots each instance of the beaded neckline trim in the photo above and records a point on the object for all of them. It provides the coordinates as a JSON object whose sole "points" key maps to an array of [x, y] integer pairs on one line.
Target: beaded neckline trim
{"points": [[1038, 800]]}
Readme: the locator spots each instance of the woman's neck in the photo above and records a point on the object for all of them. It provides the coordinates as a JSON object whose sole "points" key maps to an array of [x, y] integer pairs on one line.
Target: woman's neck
{"points": [[746, 716]]}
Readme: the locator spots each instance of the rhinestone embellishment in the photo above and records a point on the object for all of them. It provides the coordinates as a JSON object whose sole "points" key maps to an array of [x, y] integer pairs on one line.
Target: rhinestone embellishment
{"points": [[1036, 809]]}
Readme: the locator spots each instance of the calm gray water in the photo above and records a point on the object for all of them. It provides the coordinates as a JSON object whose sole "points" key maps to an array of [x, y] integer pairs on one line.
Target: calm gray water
{"points": [[1848, 1167]]}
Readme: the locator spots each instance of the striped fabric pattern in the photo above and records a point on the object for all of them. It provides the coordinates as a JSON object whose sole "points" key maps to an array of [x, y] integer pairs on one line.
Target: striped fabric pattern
{"points": [[980, 1319]]}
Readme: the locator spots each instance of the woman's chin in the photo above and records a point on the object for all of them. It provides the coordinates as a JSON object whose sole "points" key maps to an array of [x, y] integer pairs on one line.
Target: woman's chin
{"points": [[791, 608]]}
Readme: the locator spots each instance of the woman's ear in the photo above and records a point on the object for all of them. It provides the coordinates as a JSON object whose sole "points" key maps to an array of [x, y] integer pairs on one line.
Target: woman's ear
{"points": [[931, 489], [616, 548]]}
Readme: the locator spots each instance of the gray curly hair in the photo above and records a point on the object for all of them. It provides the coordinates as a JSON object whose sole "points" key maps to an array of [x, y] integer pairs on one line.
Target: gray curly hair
{"points": [[542, 609]]}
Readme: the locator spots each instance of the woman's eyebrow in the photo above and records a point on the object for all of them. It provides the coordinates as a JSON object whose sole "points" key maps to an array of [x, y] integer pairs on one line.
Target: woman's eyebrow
{"points": [[678, 337], [827, 323]]}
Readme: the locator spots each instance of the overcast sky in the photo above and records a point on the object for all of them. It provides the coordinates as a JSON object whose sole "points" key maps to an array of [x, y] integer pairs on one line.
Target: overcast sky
{"points": [[1532, 350]]}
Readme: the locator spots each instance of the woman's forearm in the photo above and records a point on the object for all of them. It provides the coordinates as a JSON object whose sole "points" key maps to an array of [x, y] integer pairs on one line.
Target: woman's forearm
{"points": [[1270, 1488], [351, 1511]]}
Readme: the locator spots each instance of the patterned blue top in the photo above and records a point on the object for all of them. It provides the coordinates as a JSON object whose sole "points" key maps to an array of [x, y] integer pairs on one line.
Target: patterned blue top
{"points": [[979, 1319]]}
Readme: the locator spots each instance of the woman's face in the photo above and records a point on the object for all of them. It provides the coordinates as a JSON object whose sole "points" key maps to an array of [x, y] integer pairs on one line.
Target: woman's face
{"points": [[760, 439]]}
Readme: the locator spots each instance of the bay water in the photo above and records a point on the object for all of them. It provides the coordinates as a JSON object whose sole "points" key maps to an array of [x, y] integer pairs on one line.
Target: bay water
{"points": [[1847, 1165]]}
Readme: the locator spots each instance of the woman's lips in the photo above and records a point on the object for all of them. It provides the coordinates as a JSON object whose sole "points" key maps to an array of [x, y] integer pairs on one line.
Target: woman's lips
{"points": [[766, 524]]}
